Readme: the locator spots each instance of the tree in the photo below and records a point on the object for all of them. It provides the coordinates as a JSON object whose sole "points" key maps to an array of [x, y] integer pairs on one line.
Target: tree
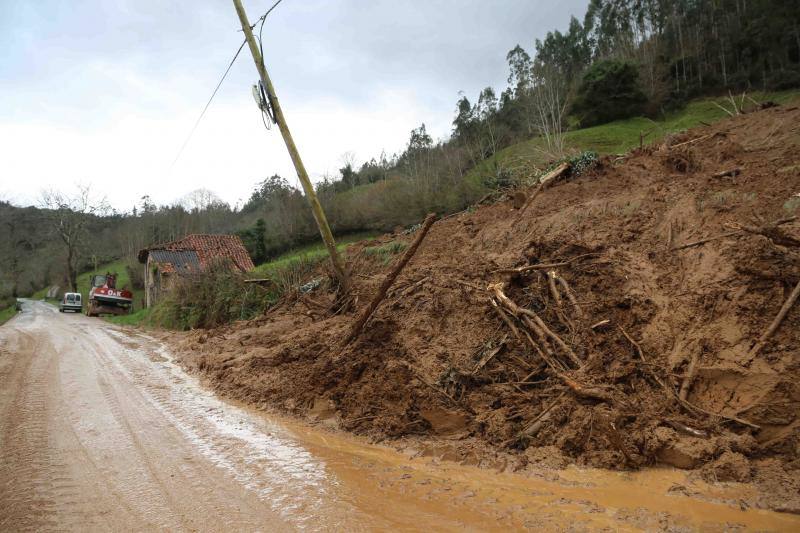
{"points": [[254, 240], [549, 101], [68, 217], [16, 248], [609, 91]]}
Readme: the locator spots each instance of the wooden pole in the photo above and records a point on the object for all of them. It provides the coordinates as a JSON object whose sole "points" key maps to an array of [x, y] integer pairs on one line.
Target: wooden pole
{"points": [[308, 188]]}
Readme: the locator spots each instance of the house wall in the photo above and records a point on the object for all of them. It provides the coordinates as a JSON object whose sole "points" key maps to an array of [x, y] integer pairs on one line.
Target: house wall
{"points": [[149, 299], [152, 283], [156, 283]]}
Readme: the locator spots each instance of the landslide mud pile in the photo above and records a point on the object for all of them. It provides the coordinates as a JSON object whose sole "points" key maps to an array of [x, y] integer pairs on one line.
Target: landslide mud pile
{"points": [[580, 330]]}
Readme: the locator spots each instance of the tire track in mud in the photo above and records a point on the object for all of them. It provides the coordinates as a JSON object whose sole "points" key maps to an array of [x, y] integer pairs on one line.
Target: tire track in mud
{"points": [[32, 478], [288, 480]]}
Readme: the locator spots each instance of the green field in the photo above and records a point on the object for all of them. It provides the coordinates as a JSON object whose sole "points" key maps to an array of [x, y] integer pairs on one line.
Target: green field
{"points": [[617, 137]]}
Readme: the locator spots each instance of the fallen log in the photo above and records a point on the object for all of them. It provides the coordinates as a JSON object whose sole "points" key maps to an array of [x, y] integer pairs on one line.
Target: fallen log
{"points": [[389, 280], [553, 174]]}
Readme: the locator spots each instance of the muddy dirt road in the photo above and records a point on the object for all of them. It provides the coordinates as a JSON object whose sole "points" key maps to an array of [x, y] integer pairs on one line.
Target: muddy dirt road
{"points": [[100, 430]]}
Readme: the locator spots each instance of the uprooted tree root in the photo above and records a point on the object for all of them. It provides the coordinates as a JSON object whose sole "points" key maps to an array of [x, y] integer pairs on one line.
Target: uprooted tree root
{"points": [[583, 375]]}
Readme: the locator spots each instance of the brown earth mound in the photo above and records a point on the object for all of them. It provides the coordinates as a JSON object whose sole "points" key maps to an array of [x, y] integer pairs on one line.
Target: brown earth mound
{"points": [[646, 351]]}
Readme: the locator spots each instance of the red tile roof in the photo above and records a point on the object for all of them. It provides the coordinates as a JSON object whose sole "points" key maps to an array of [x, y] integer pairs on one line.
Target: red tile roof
{"points": [[208, 248]]}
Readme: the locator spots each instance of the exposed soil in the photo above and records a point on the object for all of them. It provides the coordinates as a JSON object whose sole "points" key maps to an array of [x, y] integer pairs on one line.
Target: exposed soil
{"points": [[413, 375]]}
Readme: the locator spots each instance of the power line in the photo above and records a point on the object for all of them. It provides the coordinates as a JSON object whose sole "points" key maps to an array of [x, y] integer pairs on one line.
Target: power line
{"points": [[268, 12], [203, 112], [262, 18]]}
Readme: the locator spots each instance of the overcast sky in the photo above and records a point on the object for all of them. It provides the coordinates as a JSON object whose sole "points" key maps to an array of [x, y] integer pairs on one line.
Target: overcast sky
{"points": [[105, 92]]}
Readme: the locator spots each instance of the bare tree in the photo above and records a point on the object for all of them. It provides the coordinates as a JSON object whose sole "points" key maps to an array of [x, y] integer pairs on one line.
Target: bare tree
{"points": [[68, 216], [200, 200], [549, 100]]}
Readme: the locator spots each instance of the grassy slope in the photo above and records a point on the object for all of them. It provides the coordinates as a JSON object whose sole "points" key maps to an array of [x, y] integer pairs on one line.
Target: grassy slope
{"points": [[619, 136], [312, 252]]}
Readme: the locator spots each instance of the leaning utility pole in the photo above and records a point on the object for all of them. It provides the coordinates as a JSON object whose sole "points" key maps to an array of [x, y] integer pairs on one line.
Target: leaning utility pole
{"points": [[311, 195]]}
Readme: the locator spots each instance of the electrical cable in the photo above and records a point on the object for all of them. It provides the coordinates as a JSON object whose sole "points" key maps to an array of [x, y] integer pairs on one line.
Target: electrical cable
{"points": [[262, 18], [266, 96], [203, 112]]}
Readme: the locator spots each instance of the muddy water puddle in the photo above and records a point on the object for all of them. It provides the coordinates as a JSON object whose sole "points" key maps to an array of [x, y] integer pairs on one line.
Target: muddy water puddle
{"points": [[420, 492], [321, 479]]}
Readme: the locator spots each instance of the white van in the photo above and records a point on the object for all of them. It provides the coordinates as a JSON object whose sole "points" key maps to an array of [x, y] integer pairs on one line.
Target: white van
{"points": [[71, 302]]}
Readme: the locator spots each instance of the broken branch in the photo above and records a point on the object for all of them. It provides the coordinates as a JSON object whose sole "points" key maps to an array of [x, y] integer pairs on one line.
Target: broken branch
{"points": [[514, 309], [551, 282], [542, 266], [553, 174], [671, 393], [570, 295], [776, 322], [690, 141], [389, 280]]}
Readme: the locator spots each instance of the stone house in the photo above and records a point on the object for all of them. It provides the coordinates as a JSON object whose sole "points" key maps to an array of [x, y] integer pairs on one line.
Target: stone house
{"points": [[191, 255]]}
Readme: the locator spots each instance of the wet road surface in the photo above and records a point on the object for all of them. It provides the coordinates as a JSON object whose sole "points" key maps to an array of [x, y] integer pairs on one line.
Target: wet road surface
{"points": [[101, 430]]}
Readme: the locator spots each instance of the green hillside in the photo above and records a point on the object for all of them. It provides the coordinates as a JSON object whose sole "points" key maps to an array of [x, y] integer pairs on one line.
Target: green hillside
{"points": [[309, 253], [616, 137]]}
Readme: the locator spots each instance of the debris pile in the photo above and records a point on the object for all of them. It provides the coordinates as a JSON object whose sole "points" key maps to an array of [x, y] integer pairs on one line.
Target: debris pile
{"points": [[641, 312]]}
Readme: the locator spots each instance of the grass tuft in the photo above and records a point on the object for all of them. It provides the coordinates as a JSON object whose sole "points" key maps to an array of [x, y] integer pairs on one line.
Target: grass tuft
{"points": [[385, 252]]}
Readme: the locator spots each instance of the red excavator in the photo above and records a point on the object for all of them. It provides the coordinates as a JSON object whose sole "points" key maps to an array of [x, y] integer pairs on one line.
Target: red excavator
{"points": [[106, 299]]}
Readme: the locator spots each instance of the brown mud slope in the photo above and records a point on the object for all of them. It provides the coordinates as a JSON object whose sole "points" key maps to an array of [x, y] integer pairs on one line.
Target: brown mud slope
{"points": [[629, 317]]}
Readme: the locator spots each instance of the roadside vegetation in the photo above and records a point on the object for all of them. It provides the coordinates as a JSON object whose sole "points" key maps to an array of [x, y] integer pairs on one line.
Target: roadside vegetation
{"points": [[8, 309]]}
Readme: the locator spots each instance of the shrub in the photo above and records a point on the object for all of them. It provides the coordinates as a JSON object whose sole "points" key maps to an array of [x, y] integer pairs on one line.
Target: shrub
{"points": [[220, 295], [609, 91]]}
